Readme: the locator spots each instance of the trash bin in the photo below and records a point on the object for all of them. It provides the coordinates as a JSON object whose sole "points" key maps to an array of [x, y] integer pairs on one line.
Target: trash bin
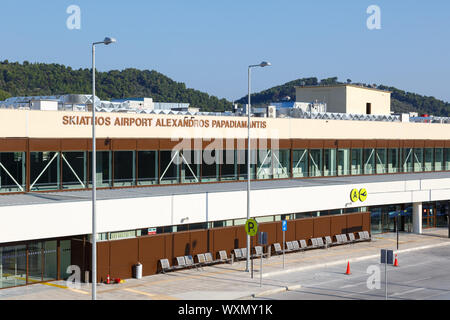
{"points": [[138, 270]]}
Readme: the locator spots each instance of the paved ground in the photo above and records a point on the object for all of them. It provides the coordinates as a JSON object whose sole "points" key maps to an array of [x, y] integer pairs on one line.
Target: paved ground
{"points": [[315, 274]]}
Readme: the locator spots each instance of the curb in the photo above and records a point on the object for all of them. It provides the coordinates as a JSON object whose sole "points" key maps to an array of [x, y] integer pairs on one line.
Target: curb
{"points": [[271, 291], [329, 264]]}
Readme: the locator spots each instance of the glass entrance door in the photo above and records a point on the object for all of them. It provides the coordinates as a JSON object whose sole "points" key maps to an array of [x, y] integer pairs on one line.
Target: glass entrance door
{"points": [[428, 216]]}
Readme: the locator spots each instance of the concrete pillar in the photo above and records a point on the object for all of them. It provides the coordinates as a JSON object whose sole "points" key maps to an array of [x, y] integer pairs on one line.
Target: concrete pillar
{"points": [[417, 217]]}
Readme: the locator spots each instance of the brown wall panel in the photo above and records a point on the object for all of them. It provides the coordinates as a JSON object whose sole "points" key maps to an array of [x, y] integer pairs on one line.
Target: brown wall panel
{"points": [[439, 144], [430, 143], [168, 246], [124, 255], [271, 229], [282, 143], [370, 144], [223, 239], [447, 144], [300, 144], [407, 144], [151, 250], [74, 144], [357, 144], [366, 221], [354, 223], [316, 144], [330, 144], [304, 229], [394, 144], [103, 261], [100, 144], [124, 144], [181, 244], [45, 144], [240, 236], [168, 144], [344, 144], [13, 145], [147, 144], [322, 227], [338, 224], [199, 242], [382, 144], [419, 143]]}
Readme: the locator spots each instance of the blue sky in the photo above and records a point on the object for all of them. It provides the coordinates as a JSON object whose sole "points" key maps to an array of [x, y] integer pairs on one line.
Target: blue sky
{"points": [[208, 44]]}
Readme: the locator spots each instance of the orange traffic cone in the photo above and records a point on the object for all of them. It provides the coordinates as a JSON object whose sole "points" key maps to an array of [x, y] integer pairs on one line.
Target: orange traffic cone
{"points": [[108, 280], [396, 261], [348, 268]]}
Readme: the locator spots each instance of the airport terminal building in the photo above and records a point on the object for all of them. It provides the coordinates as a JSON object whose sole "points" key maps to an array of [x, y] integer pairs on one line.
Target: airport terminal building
{"points": [[174, 184]]}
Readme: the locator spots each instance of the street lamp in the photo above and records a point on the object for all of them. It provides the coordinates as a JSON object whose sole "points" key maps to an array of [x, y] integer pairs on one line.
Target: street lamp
{"points": [[262, 65], [106, 41]]}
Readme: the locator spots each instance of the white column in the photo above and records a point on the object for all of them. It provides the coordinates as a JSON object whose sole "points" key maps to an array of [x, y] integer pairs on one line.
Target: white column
{"points": [[417, 217]]}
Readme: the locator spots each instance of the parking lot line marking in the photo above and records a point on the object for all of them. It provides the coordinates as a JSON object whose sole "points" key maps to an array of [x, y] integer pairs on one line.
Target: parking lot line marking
{"points": [[406, 292], [151, 295]]}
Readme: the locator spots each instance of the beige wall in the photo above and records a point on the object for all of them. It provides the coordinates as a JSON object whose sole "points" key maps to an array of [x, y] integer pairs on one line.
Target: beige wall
{"points": [[347, 98], [357, 98], [49, 124]]}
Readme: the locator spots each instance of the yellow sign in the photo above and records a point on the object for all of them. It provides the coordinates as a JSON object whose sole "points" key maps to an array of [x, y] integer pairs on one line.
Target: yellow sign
{"points": [[354, 195], [362, 195], [251, 227]]}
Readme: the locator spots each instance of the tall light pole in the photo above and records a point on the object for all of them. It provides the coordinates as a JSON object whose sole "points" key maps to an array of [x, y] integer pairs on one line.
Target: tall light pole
{"points": [[106, 41], [262, 65]]}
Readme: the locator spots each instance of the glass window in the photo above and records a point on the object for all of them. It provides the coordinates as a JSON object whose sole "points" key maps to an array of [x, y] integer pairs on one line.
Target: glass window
{"points": [[393, 160], [447, 158], [229, 168], [103, 168], [44, 171], [439, 159], [50, 264], [35, 251], [408, 159], [343, 162], [242, 156], [147, 167], [315, 162], [264, 168], [281, 163], [329, 162], [300, 163], [170, 164], [357, 162], [369, 161], [190, 166], [12, 171], [428, 159], [210, 165], [381, 161], [65, 258], [418, 159], [74, 170], [124, 168], [13, 266]]}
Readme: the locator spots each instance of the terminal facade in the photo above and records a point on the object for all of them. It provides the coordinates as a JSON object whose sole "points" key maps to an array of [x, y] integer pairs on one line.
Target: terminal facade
{"points": [[172, 183]]}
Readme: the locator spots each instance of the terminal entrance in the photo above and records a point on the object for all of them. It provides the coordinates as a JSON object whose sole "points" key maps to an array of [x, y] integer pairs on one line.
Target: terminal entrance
{"points": [[428, 216]]}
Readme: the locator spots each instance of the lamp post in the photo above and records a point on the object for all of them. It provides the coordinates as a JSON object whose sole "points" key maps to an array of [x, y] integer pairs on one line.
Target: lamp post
{"points": [[106, 41], [262, 65]]}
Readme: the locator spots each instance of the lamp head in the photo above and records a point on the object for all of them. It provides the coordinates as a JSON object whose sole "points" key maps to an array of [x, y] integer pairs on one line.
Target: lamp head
{"points": [[109, 40], [265, 64]]}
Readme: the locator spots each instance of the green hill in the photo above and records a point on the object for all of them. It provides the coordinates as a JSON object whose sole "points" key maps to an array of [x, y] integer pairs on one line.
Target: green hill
{"points": [[401, 101], [52, 79], [35, 79]]}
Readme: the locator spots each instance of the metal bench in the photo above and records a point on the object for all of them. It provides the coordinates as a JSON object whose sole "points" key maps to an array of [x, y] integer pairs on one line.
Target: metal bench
{"points": [[339, 239], [223, 257], [296, 245], [165, 265], [244, 253], [238, 254], [201, 258], [344, 238], [289, 246], [314, 243], [367, 235], [209, 258], [258, 251], [190, 262], [328, 241], [303, 244], [351, 238], [277, 248], [181, 262], [320, 243]]}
